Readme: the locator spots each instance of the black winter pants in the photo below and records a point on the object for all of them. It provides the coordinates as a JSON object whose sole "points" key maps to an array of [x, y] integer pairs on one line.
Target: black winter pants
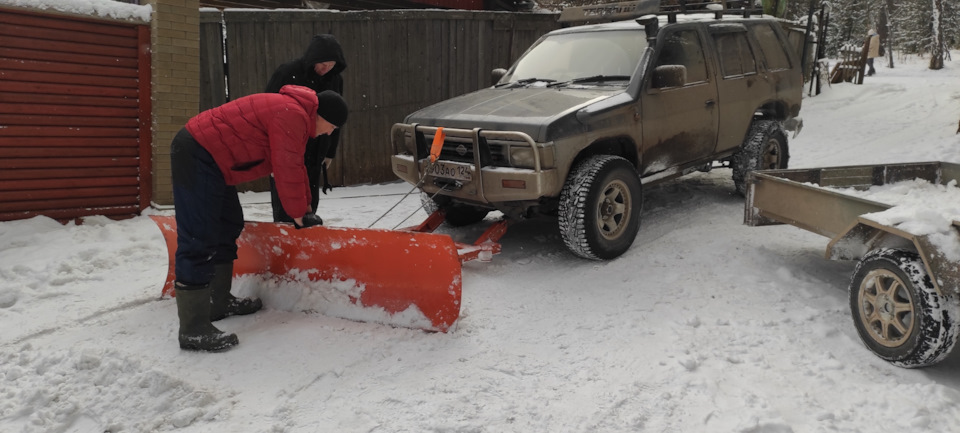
{"points": [[208, 212]]}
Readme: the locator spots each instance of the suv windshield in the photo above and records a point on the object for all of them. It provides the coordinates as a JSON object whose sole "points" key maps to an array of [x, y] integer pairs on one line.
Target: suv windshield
{"points": [[570, 56]]}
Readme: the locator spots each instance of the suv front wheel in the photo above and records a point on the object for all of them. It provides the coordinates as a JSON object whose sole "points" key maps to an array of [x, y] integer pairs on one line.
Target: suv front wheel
{"points": [[600, 207], [765, 148]]}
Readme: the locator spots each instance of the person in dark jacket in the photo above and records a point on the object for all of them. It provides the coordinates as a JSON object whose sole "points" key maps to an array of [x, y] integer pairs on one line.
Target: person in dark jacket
{"points": [[243, 140], [319, 69]]}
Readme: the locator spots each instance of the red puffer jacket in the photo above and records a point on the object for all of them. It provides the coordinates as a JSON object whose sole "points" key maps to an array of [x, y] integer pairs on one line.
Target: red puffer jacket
{"points": [[264, 133]]}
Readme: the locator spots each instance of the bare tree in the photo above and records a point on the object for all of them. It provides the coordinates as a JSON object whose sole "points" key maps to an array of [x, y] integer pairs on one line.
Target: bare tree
{"points": [[937, 43], [886, 30]]}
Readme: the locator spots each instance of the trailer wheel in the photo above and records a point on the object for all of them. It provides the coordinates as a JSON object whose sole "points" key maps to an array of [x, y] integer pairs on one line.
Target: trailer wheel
{"points": [[898, 313], [600, 204], [765, 148], [456, 215]]}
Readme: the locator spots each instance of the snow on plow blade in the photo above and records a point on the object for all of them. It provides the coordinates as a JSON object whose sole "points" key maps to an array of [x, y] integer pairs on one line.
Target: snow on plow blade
{"points": [[391, 270]]}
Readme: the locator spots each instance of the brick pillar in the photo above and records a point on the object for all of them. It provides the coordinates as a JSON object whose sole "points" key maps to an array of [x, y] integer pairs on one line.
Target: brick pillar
{"points": [[175, 40]]}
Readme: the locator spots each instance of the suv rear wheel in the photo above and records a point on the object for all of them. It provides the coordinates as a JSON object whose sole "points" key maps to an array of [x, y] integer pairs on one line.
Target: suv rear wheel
{"points": [[765, 148], [600, 207]]}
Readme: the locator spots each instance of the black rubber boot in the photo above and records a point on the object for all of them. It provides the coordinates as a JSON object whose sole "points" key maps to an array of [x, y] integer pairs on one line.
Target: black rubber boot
{"points": [[196, 331], [222, 303]]}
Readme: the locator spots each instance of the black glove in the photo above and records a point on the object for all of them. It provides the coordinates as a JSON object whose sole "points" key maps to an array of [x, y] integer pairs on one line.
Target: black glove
{"points": [[309, 220], [326, 183]]}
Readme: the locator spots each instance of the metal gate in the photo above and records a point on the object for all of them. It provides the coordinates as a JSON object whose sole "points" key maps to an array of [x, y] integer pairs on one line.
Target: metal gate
{"points": [[74, 116]]}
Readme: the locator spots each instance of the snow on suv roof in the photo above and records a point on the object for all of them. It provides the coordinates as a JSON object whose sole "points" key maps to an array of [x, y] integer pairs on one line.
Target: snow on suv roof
{"points": [[663, 20]]}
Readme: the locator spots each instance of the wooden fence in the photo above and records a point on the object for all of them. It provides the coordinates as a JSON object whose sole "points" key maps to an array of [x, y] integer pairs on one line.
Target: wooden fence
{"points": [[398, 61]]}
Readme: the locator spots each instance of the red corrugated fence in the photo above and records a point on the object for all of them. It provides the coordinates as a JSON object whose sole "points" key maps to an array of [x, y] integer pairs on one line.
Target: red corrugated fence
{"points": [[74, 116]]}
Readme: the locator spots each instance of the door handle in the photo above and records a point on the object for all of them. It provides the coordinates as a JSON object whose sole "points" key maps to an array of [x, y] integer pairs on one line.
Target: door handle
{"points": [[710, 103]]}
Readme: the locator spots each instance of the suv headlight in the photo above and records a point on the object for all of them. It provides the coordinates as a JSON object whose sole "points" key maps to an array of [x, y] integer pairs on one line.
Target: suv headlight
{"points": [[522, 156]]}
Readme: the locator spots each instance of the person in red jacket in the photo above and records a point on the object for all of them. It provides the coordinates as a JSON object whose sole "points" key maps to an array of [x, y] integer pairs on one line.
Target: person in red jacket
{"points": [[242, 140]]}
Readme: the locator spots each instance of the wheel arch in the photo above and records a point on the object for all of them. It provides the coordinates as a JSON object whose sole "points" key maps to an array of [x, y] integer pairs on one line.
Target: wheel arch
{"points": [[773, 110], [622, 146]]}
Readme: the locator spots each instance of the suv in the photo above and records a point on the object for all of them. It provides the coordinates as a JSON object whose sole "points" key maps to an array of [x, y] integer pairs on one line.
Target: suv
{"points": [[591, 113]]}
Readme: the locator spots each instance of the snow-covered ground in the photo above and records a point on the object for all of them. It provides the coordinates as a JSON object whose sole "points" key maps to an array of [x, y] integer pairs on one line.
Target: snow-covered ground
{"points": [[705, 325]]}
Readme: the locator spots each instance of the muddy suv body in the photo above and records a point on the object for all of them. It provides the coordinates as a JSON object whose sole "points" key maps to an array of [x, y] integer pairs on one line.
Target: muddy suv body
{"points": [[589, 114]]}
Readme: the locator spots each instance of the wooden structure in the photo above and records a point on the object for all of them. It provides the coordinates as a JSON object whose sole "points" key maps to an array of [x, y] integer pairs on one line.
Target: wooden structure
{"points": [[851, 66], [74, 116]]}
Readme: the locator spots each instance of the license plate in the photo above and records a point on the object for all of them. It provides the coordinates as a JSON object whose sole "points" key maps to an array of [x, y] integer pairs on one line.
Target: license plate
{"points": [[451, 171]]}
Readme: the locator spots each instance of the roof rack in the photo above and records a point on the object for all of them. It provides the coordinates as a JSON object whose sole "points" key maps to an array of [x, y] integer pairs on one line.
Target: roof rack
{"points": [[609, 12], [639, 8]]}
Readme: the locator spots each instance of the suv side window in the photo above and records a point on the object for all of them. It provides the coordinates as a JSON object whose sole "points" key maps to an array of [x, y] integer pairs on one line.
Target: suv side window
{"points": [[736, 56], [683, 48], [771, 47]]}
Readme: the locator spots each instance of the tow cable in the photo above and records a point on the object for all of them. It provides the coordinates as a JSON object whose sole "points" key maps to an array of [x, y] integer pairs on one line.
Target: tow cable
{"points": [[435, 149]]}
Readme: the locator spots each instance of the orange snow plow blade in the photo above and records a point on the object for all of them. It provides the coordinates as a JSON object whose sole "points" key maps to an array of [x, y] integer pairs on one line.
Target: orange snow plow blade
{"points": [[394, 270]]}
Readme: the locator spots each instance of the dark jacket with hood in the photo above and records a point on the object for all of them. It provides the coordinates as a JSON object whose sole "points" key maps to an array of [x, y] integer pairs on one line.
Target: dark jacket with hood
{"points": [[323, 48]]}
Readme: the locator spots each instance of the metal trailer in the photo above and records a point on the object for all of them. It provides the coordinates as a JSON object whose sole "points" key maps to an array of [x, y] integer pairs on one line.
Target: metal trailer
{"points": [[904, 291]]}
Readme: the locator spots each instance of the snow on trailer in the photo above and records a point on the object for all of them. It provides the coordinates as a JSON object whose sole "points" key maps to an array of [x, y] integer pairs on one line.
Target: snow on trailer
{"points": [[901, 222]]}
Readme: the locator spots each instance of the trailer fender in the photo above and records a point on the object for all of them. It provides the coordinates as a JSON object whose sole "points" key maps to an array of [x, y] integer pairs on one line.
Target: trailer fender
{"points": [[866, 235]]}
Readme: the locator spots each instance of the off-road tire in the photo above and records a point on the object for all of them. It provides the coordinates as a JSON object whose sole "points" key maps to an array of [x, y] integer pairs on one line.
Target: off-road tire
{"points": [[897, 311], [765, 148], [600, 205], [457, 215]]}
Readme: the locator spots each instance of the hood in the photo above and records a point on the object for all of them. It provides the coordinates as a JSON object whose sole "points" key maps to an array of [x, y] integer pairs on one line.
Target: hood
{"points": [[304, 96], [324, 48], [529, 110]]}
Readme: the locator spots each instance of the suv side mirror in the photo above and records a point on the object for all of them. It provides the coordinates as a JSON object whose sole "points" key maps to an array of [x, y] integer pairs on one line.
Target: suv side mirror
{"points": [[497, 74], [669, 76]]}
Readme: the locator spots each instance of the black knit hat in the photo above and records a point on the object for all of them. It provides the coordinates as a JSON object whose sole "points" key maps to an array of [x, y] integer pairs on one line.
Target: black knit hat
{"points": [[331, 107]]}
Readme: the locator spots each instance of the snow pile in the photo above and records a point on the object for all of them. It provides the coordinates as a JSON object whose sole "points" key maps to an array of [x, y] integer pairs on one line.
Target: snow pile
{"points": [[95, 389], [99, 8], [45, 260], [919, 208], [296, 292]]}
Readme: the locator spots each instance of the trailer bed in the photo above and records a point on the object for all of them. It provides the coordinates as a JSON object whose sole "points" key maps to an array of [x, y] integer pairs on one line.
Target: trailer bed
{"points": [[809, 198]]}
